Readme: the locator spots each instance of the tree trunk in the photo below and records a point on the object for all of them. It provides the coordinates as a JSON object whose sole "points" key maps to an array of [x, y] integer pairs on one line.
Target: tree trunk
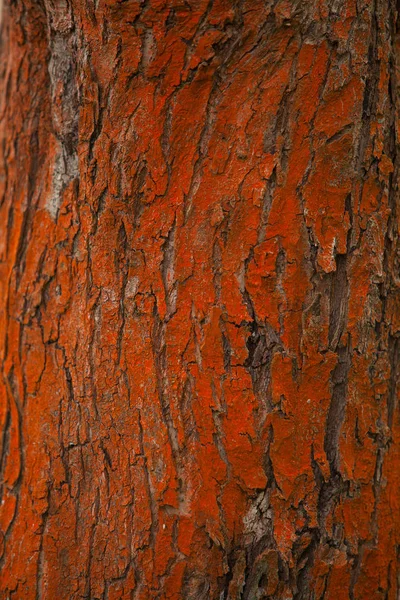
{"points": [[199, 300]]}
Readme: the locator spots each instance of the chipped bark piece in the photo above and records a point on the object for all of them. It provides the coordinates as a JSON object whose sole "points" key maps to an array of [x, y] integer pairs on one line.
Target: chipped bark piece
{"points": [[199, 300]]}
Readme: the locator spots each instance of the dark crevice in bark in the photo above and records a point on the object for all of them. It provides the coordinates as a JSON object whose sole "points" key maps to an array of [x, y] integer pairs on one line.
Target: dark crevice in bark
{"points": [[371, 89], [268, 464], [338, 301], [153, 527], [5, 447], [258, 575], [161, 368], [262, 343], [231, 559], [391, 258], [217, 270], [260, 578], [394, 356], [356, 569], [330, 494], [195, 586], [337, 407], [331, 490], [185, 405], [304, 584]]}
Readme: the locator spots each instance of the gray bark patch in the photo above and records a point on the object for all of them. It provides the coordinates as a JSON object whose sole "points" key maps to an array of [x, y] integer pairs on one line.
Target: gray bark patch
{"points": [[65, 170]]}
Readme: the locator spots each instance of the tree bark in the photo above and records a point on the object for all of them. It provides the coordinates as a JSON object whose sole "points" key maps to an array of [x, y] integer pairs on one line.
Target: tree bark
{"points": [[199, 300]]}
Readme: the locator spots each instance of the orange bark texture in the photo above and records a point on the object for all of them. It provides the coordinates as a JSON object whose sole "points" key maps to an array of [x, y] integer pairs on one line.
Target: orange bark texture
{"points": [[199, 300]]}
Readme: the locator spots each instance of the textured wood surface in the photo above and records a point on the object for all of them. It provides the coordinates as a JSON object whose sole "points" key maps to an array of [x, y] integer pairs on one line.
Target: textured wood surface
{"points": [[199, 300]]}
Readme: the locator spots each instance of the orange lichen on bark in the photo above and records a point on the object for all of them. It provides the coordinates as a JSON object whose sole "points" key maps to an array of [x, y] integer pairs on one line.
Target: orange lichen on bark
{"points": [[199, 300]]}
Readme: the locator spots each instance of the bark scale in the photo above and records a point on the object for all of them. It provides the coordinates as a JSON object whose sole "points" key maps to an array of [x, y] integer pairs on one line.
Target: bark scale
{"points": [[199, 300]]}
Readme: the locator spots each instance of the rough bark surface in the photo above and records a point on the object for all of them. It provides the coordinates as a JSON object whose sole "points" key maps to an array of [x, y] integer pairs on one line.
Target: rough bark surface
{"points": [[199, 300]]}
